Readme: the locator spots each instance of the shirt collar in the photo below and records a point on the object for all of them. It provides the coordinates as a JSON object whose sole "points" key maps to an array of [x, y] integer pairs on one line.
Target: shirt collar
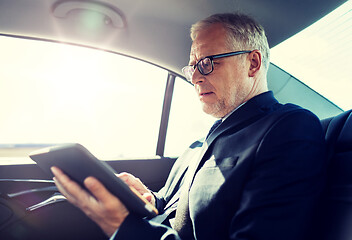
{"points": [[224, 118]]}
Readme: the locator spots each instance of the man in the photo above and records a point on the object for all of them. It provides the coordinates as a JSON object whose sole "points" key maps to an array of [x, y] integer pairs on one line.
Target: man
{"points": [[258, 175]]}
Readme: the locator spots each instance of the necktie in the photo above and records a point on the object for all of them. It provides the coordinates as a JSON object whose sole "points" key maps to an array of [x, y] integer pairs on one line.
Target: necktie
{"points": [[215, 125], [182, 223]]}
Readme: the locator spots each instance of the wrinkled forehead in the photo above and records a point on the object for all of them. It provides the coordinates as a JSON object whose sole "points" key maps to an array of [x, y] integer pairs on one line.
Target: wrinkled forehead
{"points": [[209, 41]]}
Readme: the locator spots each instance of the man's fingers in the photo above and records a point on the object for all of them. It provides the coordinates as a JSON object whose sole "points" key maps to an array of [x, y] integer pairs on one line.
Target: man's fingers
{"points": [[110, 210], [132, 181], [61, 188], [56, 171], [137, 184], [148, 196], [101, 206], [97, 189], [70, 189], [127, 178], [64, 180]]}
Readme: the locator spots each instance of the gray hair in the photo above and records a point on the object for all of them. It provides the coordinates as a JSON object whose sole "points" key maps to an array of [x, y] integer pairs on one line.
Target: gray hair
{"points": [[242, 32]]}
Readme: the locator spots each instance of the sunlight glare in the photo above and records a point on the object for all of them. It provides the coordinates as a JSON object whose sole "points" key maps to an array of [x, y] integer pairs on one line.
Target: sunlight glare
{"points": [[320, 56]]}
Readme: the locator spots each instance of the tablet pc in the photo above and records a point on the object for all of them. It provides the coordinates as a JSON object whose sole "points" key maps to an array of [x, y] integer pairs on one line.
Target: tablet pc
{"points": [[78, 163]]}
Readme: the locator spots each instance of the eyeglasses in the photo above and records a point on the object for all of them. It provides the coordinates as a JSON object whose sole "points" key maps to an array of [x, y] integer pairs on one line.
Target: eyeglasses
{"points": [[205, 65]]}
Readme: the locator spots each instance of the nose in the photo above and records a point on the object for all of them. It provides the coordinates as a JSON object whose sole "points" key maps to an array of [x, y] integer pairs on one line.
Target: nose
{"points": [[197, 77]]}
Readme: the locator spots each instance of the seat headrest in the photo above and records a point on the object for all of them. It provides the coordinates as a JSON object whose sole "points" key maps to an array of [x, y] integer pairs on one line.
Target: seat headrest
{"points": [[345, 139], [338, 132]]}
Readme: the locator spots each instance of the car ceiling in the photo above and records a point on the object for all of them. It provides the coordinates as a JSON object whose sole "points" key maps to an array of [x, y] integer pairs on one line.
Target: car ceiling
{"points": [[156, 31]]}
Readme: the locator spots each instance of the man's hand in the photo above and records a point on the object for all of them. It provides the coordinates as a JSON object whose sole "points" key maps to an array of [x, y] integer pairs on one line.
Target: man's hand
{"points": [[136, 183], [101, 206]]}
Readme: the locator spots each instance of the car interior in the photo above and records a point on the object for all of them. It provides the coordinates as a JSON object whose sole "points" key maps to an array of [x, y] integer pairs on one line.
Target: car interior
{"points": [[155, 32]]}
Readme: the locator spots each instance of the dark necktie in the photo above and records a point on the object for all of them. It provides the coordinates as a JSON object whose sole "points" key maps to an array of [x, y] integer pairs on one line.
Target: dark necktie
{"points": [[215, 125], [182, 223]]}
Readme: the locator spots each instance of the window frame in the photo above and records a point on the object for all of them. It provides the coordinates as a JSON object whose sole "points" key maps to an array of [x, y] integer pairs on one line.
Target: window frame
{"points": [[167, 97]]}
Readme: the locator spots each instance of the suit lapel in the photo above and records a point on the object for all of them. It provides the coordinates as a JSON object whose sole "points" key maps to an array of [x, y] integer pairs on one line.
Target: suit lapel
{"points": [[181, 172], [246, 114]]}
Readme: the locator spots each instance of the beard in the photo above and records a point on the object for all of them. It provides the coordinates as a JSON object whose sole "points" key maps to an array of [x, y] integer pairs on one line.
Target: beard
{"points": [[217, 110], [222, 107]]}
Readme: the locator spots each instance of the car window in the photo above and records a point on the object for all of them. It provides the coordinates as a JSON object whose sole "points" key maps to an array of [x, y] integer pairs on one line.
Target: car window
{"points": [[53, 93], [187, 122], [320, 56]]}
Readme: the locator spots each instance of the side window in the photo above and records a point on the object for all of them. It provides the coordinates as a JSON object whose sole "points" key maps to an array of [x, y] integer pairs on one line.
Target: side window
{"points": [[56, 93], [187, 122]]}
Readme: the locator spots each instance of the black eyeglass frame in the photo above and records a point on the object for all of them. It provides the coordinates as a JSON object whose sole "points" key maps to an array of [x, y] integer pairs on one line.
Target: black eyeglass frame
{"points": [[211, 57]]}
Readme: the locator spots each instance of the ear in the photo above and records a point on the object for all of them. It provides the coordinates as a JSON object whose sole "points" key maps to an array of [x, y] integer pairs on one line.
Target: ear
{"points": [[255, 59]]}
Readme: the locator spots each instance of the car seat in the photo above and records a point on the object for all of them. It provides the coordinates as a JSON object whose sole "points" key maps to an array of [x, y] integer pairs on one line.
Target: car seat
{"points": [[334, 220]]}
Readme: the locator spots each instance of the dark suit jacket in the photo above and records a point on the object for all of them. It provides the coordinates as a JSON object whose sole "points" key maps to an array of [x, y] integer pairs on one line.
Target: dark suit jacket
{"points": [[260, 175]]}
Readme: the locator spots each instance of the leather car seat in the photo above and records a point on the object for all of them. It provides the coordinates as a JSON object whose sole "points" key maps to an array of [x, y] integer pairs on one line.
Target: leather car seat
{"points": [[334, 220]]}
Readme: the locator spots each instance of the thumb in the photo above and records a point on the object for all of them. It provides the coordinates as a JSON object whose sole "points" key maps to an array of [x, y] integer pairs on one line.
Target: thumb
{"points": [[149, 197]]}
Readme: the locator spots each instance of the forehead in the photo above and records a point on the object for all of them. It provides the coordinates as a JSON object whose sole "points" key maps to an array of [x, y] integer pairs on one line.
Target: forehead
{"points": [[209, 41]]}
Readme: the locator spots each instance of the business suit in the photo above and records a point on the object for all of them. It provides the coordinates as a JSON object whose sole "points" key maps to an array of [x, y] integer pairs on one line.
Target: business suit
{"points": [[259, 176]]}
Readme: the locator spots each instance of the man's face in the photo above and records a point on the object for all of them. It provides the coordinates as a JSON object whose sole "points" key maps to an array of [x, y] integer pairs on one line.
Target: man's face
{"points": [[228, 85]]}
